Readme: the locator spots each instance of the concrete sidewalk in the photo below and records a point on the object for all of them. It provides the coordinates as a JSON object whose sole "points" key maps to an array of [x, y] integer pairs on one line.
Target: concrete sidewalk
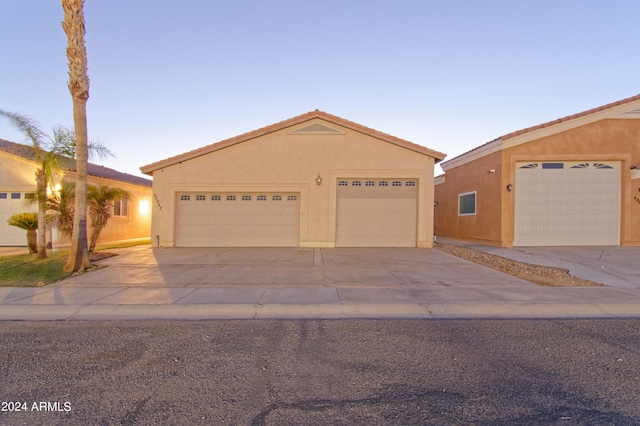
{"points": [[251, 283]]}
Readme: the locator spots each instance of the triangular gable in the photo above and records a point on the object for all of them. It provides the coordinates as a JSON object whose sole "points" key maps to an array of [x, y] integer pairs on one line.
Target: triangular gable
{"points": [[301, 119]]}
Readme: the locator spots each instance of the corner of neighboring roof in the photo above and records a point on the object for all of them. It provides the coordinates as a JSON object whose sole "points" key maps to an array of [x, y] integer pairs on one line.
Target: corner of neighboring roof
{"points": [[496, 144]]}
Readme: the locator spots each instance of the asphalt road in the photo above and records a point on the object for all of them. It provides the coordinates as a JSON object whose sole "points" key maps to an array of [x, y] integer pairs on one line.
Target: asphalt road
{"points": [[321, 372]]}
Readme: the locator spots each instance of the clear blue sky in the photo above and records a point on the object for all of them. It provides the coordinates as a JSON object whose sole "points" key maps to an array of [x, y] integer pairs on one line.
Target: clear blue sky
{"points": [[171, 76]]}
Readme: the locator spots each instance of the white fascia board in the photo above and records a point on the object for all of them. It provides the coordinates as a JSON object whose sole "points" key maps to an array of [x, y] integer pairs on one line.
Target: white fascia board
{"points": [[635, 174], [482, 151]]}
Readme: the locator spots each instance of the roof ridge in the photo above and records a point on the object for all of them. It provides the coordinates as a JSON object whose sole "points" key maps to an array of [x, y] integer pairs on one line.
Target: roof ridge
{"points": [[298, 119]]}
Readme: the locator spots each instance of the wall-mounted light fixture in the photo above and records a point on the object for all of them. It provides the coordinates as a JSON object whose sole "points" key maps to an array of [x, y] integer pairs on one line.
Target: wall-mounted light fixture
{"points": [[492, 171], [435, 203], [318, 179], [509, 187]]}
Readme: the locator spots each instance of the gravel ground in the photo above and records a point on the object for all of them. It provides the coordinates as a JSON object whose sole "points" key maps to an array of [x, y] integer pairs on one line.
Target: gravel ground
{"points": [[541, 275]]}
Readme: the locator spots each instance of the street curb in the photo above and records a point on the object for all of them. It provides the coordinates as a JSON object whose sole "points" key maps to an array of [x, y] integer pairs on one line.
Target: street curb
{"points": [[315, 311]]}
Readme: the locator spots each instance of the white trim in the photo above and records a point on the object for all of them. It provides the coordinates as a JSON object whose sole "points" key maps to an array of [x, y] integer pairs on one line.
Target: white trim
{"points": [[439, 180], [475, 203], [628, 111], [482, 151], [635, 174]]}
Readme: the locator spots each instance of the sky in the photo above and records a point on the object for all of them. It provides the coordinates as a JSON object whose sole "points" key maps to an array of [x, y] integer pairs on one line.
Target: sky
{"points": [[171, 76]]}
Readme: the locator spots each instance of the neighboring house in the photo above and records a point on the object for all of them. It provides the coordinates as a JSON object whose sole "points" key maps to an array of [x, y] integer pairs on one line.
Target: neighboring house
{"points": [[131, 217], [572, 181], [315, 180]]}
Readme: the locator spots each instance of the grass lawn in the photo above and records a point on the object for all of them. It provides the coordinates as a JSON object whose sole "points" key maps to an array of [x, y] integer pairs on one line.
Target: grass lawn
{"points": [[24, 270]]}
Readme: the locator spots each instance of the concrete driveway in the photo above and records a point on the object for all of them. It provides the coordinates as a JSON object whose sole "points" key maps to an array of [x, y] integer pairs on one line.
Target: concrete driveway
{"points": [[144, 282]]}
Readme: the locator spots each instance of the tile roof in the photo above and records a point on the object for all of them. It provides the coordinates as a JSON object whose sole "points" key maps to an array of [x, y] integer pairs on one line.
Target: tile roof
{"points": [[29, 153], [552, 123], [148, 169]]}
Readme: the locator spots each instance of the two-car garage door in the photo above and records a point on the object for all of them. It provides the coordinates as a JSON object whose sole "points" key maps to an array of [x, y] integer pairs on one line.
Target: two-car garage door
{"points": [[221, 219], [567, 203]]}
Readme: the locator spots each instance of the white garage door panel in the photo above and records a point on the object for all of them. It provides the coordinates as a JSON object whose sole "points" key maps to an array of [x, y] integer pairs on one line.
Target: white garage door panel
{"points": [[10, 204], [237, 223], [376, 215], [576, 205]]}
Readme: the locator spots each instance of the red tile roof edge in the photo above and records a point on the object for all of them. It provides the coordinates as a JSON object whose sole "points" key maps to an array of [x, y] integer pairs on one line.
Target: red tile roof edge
{"points": [[551, 123], [288, 123]]}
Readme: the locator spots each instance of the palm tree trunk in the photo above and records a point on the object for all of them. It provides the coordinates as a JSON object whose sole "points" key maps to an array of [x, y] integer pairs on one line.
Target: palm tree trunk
{"points": [[41, 189], [31, 241], [73, 25]]}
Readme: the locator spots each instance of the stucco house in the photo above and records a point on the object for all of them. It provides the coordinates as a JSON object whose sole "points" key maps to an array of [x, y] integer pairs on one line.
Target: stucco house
{"points": [[315, 180], [131, 217], [571, 181]]}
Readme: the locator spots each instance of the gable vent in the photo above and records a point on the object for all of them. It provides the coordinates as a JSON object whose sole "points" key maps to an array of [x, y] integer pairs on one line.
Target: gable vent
{"points": [[317, 128]]}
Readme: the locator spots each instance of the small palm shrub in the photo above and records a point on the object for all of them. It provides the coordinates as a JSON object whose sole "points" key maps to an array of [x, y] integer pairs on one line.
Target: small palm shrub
{"points": [[28, 222]]}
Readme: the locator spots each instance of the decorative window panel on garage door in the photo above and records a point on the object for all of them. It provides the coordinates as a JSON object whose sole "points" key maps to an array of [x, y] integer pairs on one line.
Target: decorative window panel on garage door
{"points": [[376, 213], [234, 219], [567, 203]]}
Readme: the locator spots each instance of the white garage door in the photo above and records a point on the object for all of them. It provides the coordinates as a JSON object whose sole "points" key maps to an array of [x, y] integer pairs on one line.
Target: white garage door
{"points": [[567, 203], [376, 213], [10, 203], [237, 219]]}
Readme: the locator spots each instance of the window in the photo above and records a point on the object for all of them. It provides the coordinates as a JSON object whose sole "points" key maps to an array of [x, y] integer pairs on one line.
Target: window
{"points": [[246, 198], [185, 197], [343, 183], [121, 206], [30, 196], [200, 198], [383, 183], [467, 204], [369, 183], [16, 195], [3, 195], [356, 183], [216, 198], [410, 183], [261, 198], [396, 183], [276, 198], [231, 197], [553, 165], [292, 197]]}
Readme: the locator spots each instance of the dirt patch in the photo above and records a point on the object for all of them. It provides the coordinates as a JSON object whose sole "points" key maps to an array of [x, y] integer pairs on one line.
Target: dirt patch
{"points": [[541, 275], [94, 257]]}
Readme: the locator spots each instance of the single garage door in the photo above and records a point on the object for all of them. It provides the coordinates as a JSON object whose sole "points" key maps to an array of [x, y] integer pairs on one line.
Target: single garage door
{"points": [[567, 203], [10, 203], [376, 213], [237, 219]]}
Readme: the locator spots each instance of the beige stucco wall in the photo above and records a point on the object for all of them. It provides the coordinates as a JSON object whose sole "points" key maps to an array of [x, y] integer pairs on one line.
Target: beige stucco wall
{"points": [[281, 161], [609, 139], [18, 174]]}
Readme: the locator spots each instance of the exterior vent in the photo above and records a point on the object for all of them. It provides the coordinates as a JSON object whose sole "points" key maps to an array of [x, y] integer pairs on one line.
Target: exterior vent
{"points": [[317, 128]]}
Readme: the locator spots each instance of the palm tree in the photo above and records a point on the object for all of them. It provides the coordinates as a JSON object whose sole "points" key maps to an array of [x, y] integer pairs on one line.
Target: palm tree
{"points": [[29, 222], [47, 160], [63, 143], [100, 202], [62, 202], [74, 28]]}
